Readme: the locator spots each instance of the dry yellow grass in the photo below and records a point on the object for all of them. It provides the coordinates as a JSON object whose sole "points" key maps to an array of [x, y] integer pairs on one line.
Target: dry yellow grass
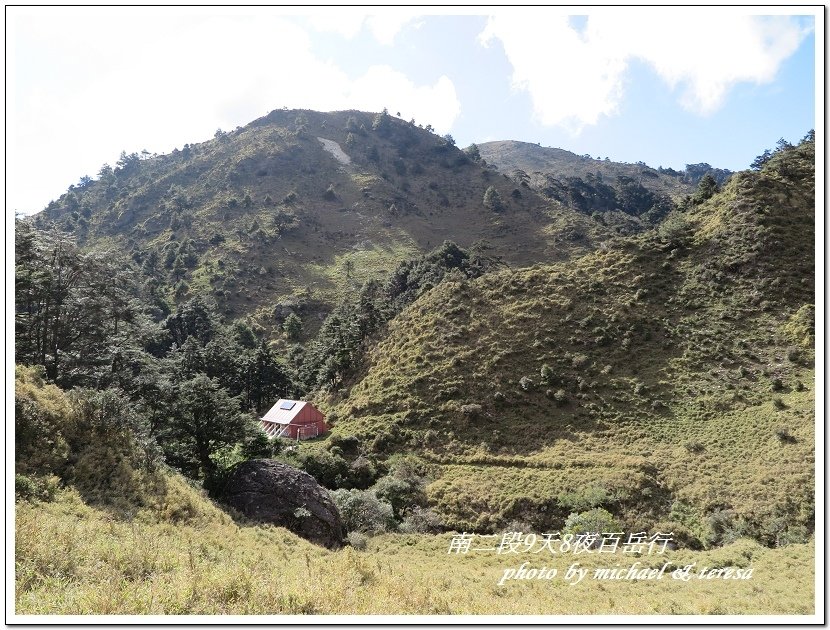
{"points": [[74, 559]]}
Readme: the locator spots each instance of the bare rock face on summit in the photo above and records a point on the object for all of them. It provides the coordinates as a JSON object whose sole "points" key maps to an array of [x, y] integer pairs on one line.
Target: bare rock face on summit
{"points": [[271, 492]]}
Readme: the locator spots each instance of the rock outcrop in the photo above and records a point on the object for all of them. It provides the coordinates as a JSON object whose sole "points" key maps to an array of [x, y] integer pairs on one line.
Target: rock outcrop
{"points": [[271, 492]]}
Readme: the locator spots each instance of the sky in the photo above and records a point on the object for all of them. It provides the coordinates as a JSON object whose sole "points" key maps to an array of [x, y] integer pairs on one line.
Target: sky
{"points": [[666, 86]]}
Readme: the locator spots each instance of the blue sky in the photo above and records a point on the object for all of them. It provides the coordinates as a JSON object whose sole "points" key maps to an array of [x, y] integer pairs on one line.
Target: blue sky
{"points": [[667, 86]]}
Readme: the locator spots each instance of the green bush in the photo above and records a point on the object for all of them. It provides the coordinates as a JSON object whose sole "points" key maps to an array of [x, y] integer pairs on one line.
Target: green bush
{"points": [[357, 540], [471, 411], [492, 200], [580, 361], [721, 528], [674, 229], [330, 470], [584, 498], [801, 326], [402, 490], [473, 152], [257, 445], [42, 423], [348, 444], [791, 535], [363, 511], [33, 488], [694, 446], [597, 520], [293, 326], [362, 473], [419, 520]]}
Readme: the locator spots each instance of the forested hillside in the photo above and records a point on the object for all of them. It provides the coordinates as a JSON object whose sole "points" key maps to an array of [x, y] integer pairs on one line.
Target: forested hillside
{"points": [[629, 380], [289, 211], [490, 357], [626, 198]]}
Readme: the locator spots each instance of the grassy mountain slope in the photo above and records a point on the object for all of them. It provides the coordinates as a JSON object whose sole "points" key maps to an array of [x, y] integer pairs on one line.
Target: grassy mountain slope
{"points": [[113, 537], [537, 161], [624, 198], [667, 378], [300, 205], [663, 381]]}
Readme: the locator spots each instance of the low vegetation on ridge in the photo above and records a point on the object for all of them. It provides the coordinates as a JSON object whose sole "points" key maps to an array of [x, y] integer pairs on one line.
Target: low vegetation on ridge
{"points": [[490, 358], [640, 373]]}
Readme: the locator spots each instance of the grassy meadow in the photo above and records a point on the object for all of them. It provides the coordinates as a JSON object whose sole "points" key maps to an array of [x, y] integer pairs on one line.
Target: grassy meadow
{"points": [[71, 559]]}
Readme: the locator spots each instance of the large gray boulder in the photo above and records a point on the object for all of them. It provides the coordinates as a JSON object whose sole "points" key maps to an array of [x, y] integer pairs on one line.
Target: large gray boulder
{"points": [[271, 492]]}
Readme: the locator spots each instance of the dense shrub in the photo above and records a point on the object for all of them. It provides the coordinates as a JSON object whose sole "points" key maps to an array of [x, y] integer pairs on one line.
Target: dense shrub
{"points": [[357, 540], [362, 473], [34, 488], [721, 528], [349, 445], [472, 411], [693, 446], [358, 318], [328, 469], [584, 498], [420, 520], [492, 200], [42, 421], [402, 490], [330, 194], [580, 361], [597, 520], [293, 326], [363, 511]]}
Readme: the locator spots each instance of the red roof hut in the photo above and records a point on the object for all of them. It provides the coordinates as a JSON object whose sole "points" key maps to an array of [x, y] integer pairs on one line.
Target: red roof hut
{"points": [[293, 419]]}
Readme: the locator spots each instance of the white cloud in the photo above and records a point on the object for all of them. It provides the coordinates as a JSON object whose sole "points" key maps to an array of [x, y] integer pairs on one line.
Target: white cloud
{"points": [[382, 86], [705, 57], [88, 84], [340, 21], [570, 81], [574, 77], [383, 25], [386, 26]]}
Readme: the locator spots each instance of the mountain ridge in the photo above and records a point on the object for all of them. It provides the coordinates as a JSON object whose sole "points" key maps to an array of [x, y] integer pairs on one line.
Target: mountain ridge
{"points": [[271, 209], [608, 363], [679, 327]]}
